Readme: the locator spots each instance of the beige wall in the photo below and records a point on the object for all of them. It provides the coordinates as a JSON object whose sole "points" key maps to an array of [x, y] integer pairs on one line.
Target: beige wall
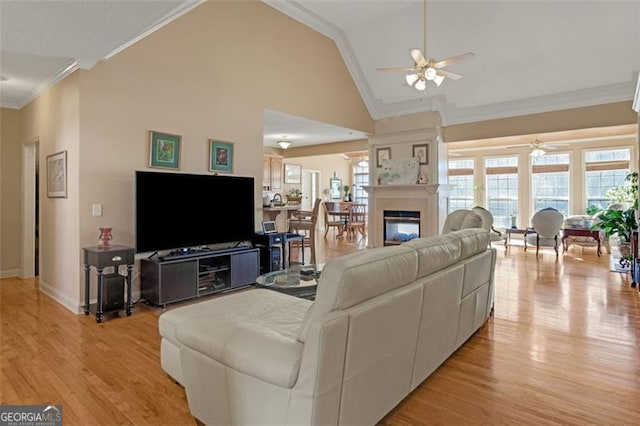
{"points": [[326, 165], [10, 192], [209, 74], [54, 120], [614, 114]]}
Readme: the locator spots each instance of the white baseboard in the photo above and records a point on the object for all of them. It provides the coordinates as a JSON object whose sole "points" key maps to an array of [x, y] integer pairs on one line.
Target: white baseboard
{"points": [[64, 300], [9, 273]]}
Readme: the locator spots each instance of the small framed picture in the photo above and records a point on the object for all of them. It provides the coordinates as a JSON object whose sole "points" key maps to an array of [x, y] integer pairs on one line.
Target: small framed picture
{"points": [[57, 175], [381, 155], [421, 152], [164, 150], [269, 227], [335, 188], [292, 173], [220, 156]]}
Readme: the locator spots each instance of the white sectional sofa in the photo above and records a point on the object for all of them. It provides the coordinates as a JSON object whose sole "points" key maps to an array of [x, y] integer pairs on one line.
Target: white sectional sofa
{"points": [[383, 320]]}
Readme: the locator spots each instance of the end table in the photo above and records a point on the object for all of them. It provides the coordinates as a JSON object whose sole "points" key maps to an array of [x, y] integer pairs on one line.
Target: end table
{"points": [[101, 258]]}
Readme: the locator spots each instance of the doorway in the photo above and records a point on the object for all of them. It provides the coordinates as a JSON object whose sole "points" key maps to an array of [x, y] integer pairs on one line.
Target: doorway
{"points": [[310, 188], [30, 210]]}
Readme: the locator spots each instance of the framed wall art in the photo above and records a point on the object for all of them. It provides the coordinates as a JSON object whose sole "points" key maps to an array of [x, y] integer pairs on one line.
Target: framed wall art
{"points": [[164, 150], [57, 175], [220, 156], [421, 152], [335, 188], [292, 173], [381, 155]]}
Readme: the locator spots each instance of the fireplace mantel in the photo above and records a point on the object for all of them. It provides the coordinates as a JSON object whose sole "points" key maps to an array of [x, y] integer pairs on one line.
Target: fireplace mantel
{"points": [[429, 199], [404, 189]]}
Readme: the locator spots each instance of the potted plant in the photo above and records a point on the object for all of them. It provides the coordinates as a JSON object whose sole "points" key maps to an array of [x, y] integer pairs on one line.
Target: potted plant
{"points": [[621, 223], [346, 192], [294, 196]]}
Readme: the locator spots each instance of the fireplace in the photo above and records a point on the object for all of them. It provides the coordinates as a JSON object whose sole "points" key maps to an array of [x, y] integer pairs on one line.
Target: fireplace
{"points": [[400, 226]]}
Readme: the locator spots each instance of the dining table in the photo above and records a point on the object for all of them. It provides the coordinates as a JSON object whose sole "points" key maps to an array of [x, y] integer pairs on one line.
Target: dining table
{"points": [[341, 211]]}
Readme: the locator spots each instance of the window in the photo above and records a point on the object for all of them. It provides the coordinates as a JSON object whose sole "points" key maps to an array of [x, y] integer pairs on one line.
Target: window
{"points": [[360, 180], [461, 176], [550, 183], [605, 169], [502, 188]]}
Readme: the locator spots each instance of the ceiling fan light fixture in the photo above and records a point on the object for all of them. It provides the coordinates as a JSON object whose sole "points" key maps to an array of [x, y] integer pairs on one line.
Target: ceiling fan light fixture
{"points": [[430, 73], [420, 85], [411, 78], [537, 152], [438, 80]]}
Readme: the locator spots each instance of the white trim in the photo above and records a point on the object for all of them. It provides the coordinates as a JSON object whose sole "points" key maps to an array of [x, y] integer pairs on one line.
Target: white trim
{"points": [[636, 99], [27, 258], [10, 273], [169, 17], [72, 305], [55, 78], [77, 63]]}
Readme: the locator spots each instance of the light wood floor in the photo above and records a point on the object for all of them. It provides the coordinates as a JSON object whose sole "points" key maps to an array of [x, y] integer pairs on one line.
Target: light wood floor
{"points": [[562, 348]]}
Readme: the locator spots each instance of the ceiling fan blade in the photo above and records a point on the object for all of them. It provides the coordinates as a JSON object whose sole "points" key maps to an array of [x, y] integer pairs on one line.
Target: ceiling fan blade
{"points": [[452, 60], [448, 74], [399, 69], [517, 146], [418, 57]]}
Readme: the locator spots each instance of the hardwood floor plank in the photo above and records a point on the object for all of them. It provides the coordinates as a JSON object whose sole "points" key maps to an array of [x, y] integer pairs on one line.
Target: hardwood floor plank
{"points": [[563, 347]]}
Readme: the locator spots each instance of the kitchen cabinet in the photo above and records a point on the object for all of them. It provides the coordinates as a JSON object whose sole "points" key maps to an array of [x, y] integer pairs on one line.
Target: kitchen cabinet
{"points": [[272, 173]]}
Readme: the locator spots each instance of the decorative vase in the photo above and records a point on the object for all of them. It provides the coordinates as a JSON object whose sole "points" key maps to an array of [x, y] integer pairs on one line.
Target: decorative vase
{"points": [[514, 219], [105, 237]]}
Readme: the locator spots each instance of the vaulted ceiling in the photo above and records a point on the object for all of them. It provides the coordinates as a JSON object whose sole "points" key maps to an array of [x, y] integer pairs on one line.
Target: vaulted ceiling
{"points": [[530, 55]]}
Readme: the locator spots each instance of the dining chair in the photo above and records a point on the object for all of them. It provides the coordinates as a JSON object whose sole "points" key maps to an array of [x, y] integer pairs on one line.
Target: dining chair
{"points": [[331, 222], [357, 219], [305, 222]]}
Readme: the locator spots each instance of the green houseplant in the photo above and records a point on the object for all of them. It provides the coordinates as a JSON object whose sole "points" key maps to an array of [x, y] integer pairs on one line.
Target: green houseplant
{"points": [[621, 223]]}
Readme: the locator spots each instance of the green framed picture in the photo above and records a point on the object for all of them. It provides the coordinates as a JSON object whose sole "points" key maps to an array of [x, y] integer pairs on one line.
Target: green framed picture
{"points": [[164, 150], [220, 156]]}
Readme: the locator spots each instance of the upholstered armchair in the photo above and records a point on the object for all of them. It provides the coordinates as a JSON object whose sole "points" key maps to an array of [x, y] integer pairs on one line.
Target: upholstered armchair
{"points": [[487, 223], [547, 224], [461, 219]]}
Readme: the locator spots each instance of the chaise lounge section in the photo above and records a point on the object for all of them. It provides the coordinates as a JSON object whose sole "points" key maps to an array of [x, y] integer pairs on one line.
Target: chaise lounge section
{"points": [[383, 320]]}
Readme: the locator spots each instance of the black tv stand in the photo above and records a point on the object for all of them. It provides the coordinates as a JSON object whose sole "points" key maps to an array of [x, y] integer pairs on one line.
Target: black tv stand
{"points": [[177, 277]]}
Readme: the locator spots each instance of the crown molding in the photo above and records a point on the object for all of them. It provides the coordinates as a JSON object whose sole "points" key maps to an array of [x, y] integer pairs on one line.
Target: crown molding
{"points": [[618, 92], [636, 99], [55, 78], [169, 17]]}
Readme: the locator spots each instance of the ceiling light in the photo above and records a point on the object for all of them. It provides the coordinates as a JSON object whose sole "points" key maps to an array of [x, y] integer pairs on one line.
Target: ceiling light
{"points": [[537, 152], [363, 163], [420, 85], [411, 78], [430, 73], [438, 79], [284, 143]]}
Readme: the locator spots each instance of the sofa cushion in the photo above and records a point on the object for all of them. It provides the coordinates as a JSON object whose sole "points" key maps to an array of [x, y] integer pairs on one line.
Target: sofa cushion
{"points": [[436, 253], [360, 276], [231, 330], [472, 241]]}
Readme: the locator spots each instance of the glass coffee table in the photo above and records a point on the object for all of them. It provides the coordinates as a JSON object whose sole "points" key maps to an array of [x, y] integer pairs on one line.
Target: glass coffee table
{"points": [[300, 281]]}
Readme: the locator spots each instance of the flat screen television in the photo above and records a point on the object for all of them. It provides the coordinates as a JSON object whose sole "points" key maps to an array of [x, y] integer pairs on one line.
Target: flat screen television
{"points": [[179, 210]]}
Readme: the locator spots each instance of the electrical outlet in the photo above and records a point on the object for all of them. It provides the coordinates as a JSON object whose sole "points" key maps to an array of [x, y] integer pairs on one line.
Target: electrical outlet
{"points": [[96, 210]]}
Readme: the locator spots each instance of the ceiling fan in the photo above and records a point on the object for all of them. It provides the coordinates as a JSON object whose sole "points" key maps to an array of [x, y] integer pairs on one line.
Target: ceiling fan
{"points": [[425, 68], [539, 148]]}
